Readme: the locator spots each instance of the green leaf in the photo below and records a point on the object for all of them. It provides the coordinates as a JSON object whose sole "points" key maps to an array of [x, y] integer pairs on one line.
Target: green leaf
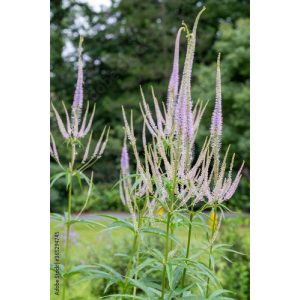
{"points": [[77, 270], [176, 278], [159, 232], [123, 295], [88, 223], [144, 286], [111, 270], [68, 179], [216, 295], [83, 176], [57, 217], [120, 224], [79, 180], [206, 271], [96, 274], [55, 177]]}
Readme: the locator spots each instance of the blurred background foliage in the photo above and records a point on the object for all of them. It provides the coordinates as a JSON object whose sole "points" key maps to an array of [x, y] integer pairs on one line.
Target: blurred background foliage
{"points": [[130, 43]]}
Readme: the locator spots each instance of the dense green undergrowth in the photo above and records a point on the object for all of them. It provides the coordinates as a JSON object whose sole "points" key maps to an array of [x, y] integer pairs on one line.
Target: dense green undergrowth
{"points": [[112, 247]]}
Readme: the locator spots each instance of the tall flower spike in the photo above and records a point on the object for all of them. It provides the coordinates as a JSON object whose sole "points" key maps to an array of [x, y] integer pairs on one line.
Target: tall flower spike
{"points": [[216, 121], [184, 113], [124, 158], [173, 85], [78, 95], [174, 80]]}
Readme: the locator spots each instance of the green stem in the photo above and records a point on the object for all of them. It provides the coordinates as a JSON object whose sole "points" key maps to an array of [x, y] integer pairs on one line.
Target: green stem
{"points": [[188, 246], [133, 251], [163, 283], [172, 233], [66, 255], [214, 210], [137, 262]]}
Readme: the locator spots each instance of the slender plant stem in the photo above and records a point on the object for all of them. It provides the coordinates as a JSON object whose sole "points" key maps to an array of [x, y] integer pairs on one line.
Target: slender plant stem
{"points": [[188, 245], [172, 233], [67, 245], [214, 211], [140, 223], [170, 212], [137, 262], [66, 254], [163, 283], [133, 251]]}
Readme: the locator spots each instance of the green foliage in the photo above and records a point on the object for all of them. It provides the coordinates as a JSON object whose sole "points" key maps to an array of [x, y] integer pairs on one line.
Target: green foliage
{"points": [[235, 272], [103, 198], [107, 250]]}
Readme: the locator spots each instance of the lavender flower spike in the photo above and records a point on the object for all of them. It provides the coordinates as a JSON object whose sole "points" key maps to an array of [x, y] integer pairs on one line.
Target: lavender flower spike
{"points": [[78, 96], [124, 159], [184, 112], [216, 121], [174, 80]]}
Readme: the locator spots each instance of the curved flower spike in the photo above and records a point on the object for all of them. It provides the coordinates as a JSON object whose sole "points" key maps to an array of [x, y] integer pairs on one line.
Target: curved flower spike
{"points": [[173, 85], [60, 123], [183, 111]]}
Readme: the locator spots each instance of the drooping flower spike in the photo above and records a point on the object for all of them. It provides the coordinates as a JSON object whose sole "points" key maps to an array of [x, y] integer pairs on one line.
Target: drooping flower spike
{"points": [[184, 106], [179, 115], [173, 86]]}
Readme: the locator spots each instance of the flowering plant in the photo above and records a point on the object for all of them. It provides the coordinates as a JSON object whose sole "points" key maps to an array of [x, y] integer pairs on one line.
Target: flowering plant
{"points": [[73, 132], [172, 186], [169, 186]]}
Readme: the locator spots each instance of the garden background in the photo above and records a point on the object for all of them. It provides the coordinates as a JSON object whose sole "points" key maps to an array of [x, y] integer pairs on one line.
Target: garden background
{"points": [[129, 43]]}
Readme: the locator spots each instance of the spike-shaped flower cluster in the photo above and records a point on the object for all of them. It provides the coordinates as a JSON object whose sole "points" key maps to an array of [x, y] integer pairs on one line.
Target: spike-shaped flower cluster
{"points": [[75, 129], [216, 121], [168, 170], [125, 186], [223, 187]]}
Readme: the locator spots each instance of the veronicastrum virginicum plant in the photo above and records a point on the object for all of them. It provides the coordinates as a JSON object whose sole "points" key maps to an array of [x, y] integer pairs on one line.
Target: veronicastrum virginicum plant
{"points": [[170, 177], [73, 132], [222, 187]]}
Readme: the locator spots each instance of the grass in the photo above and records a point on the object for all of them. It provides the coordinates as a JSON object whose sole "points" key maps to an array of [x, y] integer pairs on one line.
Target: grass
{"points": [[98, 246]]}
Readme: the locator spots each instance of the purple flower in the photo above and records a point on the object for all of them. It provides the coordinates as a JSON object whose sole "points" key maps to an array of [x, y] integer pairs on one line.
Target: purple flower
{"points": [[124, 159], [174, 80], [78, 96], [216, 121], [184, 105], [73, 236]]}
